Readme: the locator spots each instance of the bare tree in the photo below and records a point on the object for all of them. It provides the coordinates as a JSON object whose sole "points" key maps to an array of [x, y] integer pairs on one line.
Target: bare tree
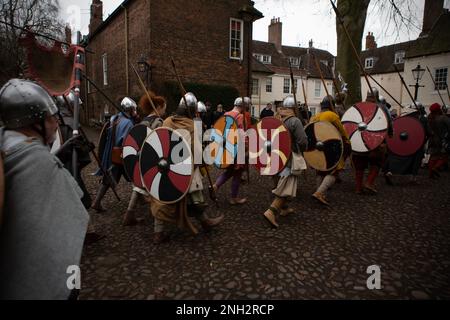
{"points": [[41, 16], [396, 14]]}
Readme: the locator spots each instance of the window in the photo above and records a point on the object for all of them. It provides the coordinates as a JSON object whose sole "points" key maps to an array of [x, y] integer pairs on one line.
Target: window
{"points": [[399, 56], [295, 85], [287, 85], [369, 63], [269, 85], [294, 61], [312, 110], [263, 58], [317, 88], [324, 62], [105, 69], [440, 77], [236, 35], [255, 87]]}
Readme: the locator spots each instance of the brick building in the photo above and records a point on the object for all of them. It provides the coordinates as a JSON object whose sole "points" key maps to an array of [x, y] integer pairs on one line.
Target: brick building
{"points": [[209, 40]]}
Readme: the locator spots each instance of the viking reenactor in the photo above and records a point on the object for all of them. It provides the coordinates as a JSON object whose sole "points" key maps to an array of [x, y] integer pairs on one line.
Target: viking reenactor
{"points": [[439, 142], [339, 106], [63, 148], [406, 147], [44, 221], [326, 179], [217, 113], [83, 147], [202, 115], [151, 121], [113, 135], [191, 203], [369, 153], [287, 183], [235, 171]]}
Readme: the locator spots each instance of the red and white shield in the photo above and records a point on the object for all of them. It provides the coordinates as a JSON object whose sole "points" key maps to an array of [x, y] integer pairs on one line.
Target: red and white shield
{"points": [[367, 126], [166, 164]]}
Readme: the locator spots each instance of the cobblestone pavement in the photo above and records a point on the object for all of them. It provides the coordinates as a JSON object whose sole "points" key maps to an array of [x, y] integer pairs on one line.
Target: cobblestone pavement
{"points": [[317, 253]]}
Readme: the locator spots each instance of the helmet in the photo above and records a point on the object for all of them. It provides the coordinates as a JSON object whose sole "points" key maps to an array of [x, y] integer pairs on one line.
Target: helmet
{"points": [[24, 102], [375, 92], [60, 102], [289, 102], [71, 98], [238, 102], [419, 105], [201, 107], [127, 104], [191, 100], [327, 102]]}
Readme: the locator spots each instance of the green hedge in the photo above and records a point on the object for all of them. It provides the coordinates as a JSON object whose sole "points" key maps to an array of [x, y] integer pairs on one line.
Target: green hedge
{"points": [[215, 94]]}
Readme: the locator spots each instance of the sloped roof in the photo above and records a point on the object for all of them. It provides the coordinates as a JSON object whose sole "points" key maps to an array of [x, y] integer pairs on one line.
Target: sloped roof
{"points": [[260, 67], [384, 57], [437, 41], [280, 63]]}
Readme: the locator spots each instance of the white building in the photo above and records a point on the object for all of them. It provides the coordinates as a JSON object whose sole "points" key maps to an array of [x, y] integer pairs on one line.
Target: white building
{"points": [[431, 49], [271, 81]]}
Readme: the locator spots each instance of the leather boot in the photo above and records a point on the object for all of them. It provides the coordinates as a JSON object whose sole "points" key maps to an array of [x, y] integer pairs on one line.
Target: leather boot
{"points": [[275, 207], [97, 206], [209, 223], [373, 174]]}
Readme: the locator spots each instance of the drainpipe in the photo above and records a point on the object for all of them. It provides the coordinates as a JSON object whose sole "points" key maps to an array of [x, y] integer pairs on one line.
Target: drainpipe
{"points": [[249, 55], [127, 76]]}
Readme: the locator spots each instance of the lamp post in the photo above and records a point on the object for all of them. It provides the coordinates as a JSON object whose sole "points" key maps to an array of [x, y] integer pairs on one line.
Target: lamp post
{"points": [[417, 74], [145, 68]]}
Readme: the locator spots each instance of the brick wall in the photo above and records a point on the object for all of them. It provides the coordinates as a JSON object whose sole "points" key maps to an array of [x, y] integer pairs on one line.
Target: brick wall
{"points": [[196, 33], [111, 40]]}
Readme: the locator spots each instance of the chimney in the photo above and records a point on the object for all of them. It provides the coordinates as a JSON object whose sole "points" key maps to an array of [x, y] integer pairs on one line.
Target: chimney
{"points": [[432, 10], [370, 41], [275, 33], [68, 33], [96, 15], [311, 43]]}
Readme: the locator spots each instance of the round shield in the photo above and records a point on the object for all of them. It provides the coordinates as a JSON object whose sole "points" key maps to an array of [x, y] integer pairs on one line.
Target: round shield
{"points": [[272, 149], [366, 125], [409, 137], [325, 146], [224, 142], [166, 165], [131, 151]]}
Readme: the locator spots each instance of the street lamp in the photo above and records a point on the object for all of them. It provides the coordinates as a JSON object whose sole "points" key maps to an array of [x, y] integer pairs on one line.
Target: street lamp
{"points": [[417, 74], [144, 68]]}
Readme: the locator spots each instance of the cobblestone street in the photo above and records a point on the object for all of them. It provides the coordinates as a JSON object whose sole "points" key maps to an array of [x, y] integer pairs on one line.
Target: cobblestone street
{"points": [[317, 253]]}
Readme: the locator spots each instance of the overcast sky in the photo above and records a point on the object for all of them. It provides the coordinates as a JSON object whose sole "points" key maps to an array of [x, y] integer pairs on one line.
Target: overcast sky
{"points": [[302, 20]]}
